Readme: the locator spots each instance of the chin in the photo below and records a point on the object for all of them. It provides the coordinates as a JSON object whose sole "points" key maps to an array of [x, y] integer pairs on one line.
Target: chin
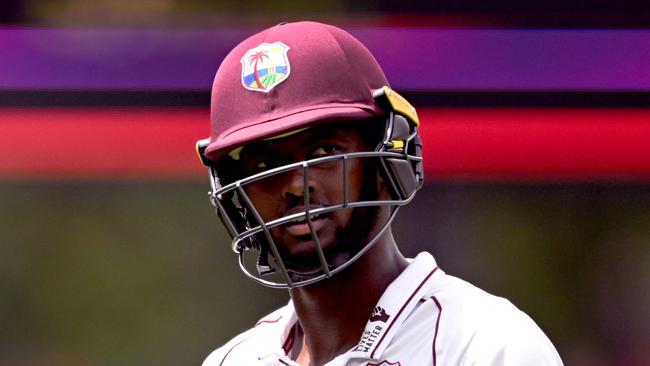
{"points": [[311, 266], [300, 255]]}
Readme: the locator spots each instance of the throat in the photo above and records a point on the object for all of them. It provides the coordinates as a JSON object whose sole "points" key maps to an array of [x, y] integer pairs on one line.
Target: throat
{"points": [[329, 328], [333, 313]]}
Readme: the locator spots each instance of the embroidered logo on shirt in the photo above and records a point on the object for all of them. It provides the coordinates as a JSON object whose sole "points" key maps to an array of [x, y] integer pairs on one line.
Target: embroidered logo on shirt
{"points": [[371, 335], [379, 315], [385, 363], [265, 66]]}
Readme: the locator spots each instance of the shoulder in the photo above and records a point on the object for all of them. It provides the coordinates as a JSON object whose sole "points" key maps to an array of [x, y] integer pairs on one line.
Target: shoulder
{"points": [[471, 326], [267, 332], [218, 356]]}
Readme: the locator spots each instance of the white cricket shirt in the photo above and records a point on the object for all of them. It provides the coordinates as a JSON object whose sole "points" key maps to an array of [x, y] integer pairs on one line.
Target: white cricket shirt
{"points": [[424, 317]]}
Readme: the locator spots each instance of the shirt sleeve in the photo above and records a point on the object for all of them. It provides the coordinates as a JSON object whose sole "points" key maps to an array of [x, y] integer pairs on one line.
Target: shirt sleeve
{"points": [[518, 342]]}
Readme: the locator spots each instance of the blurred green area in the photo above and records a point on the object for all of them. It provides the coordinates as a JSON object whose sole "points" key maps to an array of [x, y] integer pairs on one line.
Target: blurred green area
{"points": [[140, 273], [576, 257], [117, 274]]}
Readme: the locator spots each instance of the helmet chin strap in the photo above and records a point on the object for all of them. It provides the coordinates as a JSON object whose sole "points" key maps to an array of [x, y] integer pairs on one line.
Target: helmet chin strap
{"points": [[263, 266]]}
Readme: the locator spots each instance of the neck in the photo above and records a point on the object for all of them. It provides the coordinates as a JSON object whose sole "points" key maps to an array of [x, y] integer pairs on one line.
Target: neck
{"points": [[334, 312]]}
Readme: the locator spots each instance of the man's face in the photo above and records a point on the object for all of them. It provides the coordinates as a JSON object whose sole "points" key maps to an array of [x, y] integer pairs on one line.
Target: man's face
{"points": [[284, 194]]}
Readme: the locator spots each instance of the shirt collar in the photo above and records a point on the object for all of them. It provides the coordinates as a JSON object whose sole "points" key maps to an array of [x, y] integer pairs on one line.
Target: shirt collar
{"points": [[395, 305]]}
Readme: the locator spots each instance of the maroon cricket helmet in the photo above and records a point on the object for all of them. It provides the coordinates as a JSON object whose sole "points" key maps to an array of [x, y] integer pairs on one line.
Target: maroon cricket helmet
{"points": [[289, 77]]}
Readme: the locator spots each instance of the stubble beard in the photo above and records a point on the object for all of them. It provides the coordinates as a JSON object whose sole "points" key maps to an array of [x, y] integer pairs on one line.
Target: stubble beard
{"points": [[361, 228]]}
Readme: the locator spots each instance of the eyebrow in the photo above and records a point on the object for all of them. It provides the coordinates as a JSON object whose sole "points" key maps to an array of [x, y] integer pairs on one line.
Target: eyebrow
{"points": [[326, 134], [266, 147], [253, 150]]}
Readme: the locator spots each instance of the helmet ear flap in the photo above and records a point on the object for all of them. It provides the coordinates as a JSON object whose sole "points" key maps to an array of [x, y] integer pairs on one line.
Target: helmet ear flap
{"points": [[401, 128], [414, 148], [407, 172]]}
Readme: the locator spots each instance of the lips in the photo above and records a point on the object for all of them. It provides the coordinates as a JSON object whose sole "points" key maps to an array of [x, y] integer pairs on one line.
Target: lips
{"points": [[300, 227]]}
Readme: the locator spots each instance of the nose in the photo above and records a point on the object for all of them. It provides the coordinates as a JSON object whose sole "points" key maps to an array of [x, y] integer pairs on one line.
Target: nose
{"points": [[295, 183]]}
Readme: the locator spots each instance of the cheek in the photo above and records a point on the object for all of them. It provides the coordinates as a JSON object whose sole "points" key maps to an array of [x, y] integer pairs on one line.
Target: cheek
{"points": [[262, 200], [355, 178], [328, 182]]}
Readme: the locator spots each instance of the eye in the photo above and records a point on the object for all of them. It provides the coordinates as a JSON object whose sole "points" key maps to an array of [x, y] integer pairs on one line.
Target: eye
{"points": [[325, 150], [266, 164], [261, 164]]}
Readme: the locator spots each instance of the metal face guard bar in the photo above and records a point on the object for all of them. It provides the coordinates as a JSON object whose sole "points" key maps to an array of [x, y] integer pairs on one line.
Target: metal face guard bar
{"points": [[239, 235]]}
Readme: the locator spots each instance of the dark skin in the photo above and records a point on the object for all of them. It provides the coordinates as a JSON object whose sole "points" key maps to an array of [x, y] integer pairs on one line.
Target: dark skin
{"points": [[332, 325]]}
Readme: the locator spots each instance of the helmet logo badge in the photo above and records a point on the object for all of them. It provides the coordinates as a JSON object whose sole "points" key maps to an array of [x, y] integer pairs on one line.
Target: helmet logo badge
{"points": [[265, 66]]}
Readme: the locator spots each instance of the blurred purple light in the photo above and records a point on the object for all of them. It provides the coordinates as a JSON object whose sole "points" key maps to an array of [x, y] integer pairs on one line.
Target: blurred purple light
{"points": [[414, 59]]}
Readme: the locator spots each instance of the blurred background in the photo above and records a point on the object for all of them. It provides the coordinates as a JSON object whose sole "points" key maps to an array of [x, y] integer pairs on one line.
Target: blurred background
{"points": [[536, 124]]}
